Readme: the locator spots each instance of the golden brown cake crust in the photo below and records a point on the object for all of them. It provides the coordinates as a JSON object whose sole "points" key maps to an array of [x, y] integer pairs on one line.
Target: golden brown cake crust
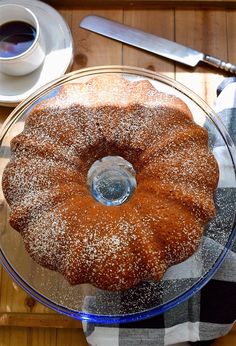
{"points": [[64, 228]]}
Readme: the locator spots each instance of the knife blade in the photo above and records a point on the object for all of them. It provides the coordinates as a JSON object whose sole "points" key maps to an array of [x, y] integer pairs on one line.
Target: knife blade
{"points": [[151, 43]]}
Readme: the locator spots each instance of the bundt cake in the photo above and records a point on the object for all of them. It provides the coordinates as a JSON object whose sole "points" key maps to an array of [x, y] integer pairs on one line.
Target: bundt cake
{"points": [[64, 228]]}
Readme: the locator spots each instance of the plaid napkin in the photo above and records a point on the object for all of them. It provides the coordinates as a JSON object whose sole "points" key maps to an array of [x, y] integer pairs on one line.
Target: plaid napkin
{"points": [[211, 312]]}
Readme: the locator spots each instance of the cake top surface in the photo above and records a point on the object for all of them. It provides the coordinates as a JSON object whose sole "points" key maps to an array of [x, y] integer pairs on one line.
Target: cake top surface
{"points": [[111, 90], [84, 122]]}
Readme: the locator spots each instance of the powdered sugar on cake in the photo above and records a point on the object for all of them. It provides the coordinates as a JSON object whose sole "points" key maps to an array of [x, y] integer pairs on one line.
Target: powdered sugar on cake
{"points": [[64, 228]]}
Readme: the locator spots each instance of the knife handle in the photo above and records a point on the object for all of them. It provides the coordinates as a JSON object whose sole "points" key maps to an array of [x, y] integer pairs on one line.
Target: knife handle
{"points": [[227, 66]]}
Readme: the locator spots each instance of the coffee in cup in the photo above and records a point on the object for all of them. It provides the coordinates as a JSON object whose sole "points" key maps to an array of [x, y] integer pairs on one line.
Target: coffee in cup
{"points": [[21, 42]]}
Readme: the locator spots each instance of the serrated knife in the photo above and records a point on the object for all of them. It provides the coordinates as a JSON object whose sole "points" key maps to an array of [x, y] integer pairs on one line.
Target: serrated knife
{"points": [[151, 43]]}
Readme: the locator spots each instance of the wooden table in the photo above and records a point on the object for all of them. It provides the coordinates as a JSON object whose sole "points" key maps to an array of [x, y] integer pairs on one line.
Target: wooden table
{"points": [[210, 28]]}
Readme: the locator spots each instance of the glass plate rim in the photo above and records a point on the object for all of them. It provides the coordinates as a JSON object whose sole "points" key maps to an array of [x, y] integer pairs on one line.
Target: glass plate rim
{"points": [[106, 319]]}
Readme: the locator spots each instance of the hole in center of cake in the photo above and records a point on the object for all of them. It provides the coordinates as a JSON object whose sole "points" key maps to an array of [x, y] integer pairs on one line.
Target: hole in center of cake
{"points": [[111, 180]]}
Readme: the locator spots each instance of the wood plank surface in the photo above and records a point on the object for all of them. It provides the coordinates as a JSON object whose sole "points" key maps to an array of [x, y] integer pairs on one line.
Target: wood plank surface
{"points": [[23, 321], [231, 34], [206, 32], [92, 49], [14, 336], [38, 320], [143, 3], [11, 336], [156, 22], [71, 337]]}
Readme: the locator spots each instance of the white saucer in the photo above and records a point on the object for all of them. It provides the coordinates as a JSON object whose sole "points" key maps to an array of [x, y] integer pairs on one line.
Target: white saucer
{"points": [[59, 55]]}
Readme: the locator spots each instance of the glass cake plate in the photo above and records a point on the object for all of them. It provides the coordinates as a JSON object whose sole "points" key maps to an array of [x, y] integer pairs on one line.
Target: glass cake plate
{"points": [[149, 298]]}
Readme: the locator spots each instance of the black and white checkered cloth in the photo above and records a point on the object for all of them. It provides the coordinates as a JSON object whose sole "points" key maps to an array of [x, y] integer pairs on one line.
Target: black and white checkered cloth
{"points": [[208, 314]]}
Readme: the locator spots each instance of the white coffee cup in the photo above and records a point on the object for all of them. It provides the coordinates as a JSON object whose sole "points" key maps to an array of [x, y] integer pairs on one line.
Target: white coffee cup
{"points": [[30, 59]]}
